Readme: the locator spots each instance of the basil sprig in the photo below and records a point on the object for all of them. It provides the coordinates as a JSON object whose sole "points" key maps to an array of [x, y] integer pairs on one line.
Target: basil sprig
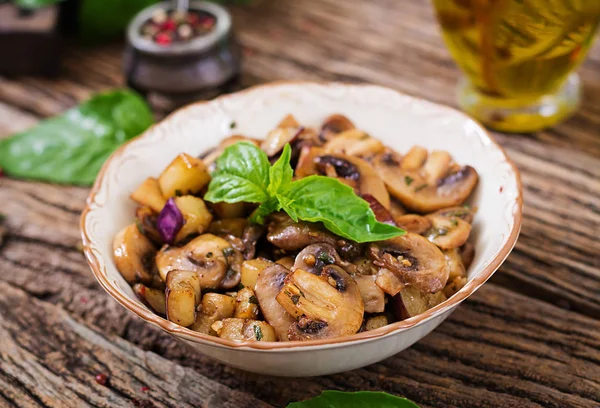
{"points": [[361, 399], [71, 148], [243, 174]]}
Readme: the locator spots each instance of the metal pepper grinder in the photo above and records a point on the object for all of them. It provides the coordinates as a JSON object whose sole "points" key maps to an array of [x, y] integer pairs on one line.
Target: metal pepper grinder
{"points": [[175, 63]]}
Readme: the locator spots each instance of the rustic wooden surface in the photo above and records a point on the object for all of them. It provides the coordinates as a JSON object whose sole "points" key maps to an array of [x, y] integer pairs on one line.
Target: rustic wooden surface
{"points": [[529, 338]]}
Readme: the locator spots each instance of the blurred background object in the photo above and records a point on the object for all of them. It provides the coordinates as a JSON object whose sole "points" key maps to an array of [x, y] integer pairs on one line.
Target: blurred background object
{"points": [[518, 57], [29, 40], [180, 55]]}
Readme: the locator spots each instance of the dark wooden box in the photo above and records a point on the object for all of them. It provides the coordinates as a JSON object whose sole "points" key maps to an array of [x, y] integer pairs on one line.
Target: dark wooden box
{"points": [[29, 41]]}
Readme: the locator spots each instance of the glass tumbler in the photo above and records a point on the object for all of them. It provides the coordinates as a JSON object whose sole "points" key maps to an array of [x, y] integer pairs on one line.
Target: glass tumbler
{"points": [[518, 57]]}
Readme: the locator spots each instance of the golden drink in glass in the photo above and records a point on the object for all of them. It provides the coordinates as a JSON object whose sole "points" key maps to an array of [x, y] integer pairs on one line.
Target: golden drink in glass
{"points": [[518, 57]]}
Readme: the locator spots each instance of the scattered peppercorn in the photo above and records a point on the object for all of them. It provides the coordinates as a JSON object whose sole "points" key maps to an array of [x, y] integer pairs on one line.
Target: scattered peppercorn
{"points": [[166, 27], [101, 379]]}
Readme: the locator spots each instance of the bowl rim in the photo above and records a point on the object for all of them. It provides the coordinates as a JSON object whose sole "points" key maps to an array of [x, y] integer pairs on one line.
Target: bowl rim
{"points": [[393, 328]]}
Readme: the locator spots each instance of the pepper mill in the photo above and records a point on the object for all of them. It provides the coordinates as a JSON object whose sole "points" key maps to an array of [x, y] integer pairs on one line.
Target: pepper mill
{"points": [[179, 70]]}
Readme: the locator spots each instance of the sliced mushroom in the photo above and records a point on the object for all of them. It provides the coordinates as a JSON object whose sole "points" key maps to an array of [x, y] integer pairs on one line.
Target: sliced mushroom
{"points": [[354, 142], [246, 304], [356, 172], [414, 260], [286, 132], [307, 165], [396, 208], [269, 283], [372, 295], [467, 253], [381, 213], [146, 223], [155, 298], [455, 264], [288, 235], [182, 297], [250, 236], [334, 125], [315, 257], [210, 157], [454, 285], [425, 192], [326, 306], [413, 223], [389, 282], [447, 232], [215, 261], [244, 330], [411, 302], [465, 213], [134, 255], [215, 307]]}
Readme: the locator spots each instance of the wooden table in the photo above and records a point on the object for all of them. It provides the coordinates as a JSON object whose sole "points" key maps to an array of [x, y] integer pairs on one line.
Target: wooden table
{"points": [[529, 338]]}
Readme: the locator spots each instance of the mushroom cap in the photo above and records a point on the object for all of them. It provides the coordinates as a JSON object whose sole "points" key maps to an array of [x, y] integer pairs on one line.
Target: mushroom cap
{"points": [[213, 258], [285, 233], [417, 193], [134, 254], [358, 173], [269, 283], [326, 305], [414, 260]]}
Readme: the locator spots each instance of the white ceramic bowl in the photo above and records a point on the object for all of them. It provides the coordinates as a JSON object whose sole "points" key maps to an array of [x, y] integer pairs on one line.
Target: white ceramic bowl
{"points": [[398, 120]]}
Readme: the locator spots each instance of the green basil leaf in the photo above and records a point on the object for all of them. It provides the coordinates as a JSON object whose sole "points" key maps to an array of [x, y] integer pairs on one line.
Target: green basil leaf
{"points": [[230, 188], [33, 4], [247, 161], [281, 173], [266, 208], [361, 399], [72, 147], [327, 200], [100, 20]]}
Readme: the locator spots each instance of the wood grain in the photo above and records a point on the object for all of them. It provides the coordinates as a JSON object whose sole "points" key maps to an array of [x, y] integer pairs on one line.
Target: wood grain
{"points": [[529, 338], [49, 359]]}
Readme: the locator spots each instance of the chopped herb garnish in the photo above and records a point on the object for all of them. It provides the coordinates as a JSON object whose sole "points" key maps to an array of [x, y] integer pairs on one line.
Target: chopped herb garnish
{"points": [[441, 231], [421, 187], [453, 222], [232, 124], [2, 217], [253, 300], [295, 299], [239, 287], [258, 333], [178, 193], [466, 206], [326, 258], [408, 180], [209, 254], [227, 252]]}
